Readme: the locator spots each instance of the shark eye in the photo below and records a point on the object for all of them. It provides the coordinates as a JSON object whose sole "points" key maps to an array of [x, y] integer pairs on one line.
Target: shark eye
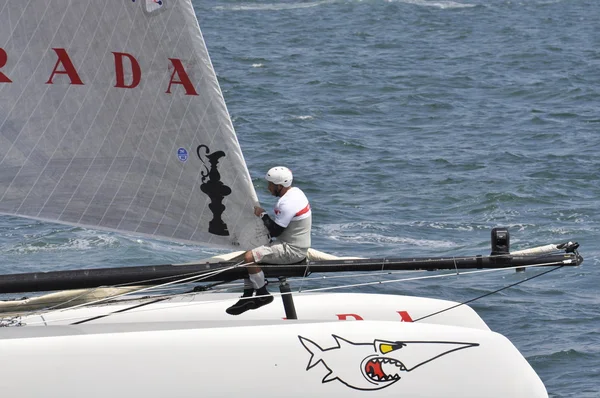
{"points": [[386, 347]]}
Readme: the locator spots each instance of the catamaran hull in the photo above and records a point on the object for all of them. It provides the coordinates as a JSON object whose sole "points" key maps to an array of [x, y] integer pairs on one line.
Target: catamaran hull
{"points": [[266, 359]]}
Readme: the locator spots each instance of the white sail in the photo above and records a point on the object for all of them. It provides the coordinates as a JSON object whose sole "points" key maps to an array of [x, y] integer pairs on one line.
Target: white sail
{"points": [[111, 117]]}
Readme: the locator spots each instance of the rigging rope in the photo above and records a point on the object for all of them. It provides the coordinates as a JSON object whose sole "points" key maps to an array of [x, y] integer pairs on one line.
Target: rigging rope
{"points": [[488, 294], [188, 279], [425, 277]]}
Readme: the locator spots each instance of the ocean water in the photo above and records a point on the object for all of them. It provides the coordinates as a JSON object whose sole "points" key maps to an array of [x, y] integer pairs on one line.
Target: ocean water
{"points": [[415, 127]]}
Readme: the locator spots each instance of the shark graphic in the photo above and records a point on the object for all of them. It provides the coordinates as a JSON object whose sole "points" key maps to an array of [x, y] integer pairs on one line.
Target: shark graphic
{"points": [[376, 365]]}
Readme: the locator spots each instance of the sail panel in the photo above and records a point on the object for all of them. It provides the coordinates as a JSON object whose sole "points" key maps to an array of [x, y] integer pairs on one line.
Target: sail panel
{"points": [[111, 117]]}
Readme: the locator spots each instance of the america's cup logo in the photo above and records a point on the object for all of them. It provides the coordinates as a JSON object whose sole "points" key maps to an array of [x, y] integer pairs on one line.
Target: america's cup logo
{"points": [[214, 188]]}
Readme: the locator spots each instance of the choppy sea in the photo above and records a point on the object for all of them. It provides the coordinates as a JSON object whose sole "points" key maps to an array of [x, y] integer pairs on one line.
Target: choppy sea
{"points": [[415, 127]]}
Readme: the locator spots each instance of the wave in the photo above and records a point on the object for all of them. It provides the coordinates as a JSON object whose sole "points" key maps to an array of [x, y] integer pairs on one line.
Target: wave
{"points": [[436, 4], [563, 355], [364, 238], [278, 6], [49, 243]]}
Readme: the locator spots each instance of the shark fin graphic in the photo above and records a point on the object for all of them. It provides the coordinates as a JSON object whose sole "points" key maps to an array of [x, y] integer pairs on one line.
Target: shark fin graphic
{"points": [[341, 341], [315, 352], [329, 377], [316, 356]]}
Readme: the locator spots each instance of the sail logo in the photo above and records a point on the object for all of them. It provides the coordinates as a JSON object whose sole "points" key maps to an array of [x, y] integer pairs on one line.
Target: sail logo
{"points": [[152, 6], [124, 63], [182, 154], [379, 364], [214, 188]]}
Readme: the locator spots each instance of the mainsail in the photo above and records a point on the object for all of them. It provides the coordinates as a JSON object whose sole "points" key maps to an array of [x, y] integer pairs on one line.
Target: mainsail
{"points": [[111, 117]]}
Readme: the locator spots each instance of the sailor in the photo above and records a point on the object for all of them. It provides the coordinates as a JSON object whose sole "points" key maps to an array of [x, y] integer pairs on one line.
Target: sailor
{"points": [[291, 226]]}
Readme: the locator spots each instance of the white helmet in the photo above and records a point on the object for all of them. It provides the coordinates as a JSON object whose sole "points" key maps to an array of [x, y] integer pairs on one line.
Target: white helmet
{"points": [[280, 176]]}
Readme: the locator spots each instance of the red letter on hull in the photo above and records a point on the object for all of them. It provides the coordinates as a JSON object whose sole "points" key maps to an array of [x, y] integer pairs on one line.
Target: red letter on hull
{"points": [[405, 316], [136, 71], [343, 317], [3, 60], [69, 69], [184, 78]]}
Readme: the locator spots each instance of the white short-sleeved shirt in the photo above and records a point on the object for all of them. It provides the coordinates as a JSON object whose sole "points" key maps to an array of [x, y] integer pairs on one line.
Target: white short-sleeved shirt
{"points": [[293, 213], [293, 206]]}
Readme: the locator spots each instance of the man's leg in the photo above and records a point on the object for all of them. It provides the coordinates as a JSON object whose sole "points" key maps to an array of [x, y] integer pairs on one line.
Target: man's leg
{"points": [[257, 278], [244, 303], [248, 288], [255, 281]]}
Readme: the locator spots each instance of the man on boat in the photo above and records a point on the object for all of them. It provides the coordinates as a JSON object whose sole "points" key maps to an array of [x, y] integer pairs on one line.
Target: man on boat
{"points": [[291, 226]]}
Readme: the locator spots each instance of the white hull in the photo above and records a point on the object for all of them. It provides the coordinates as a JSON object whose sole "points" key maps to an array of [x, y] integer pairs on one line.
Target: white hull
{"points": [[188, 346], [326, 307], [266, 359]]}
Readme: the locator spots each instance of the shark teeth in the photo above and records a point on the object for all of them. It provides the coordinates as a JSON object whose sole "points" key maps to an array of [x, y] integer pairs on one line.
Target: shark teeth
{"points": [[385, 378], [384, 369]]}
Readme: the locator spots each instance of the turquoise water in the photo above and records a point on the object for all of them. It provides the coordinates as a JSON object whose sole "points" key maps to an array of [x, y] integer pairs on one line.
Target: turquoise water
{"points": [[415, 127]]}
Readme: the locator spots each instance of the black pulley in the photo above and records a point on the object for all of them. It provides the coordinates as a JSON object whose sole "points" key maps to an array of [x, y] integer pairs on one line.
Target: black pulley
{"points": [[500, 241]]}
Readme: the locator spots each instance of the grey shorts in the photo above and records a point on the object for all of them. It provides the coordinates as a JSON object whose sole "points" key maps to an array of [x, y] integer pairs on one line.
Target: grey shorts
{"points": [[278, 253]]}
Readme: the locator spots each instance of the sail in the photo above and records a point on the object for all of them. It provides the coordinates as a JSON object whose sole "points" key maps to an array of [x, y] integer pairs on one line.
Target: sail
{"points": [[111, 117]]}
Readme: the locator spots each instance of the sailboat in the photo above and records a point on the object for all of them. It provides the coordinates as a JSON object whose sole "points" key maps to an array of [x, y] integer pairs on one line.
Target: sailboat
{"points": [[112, 118]]}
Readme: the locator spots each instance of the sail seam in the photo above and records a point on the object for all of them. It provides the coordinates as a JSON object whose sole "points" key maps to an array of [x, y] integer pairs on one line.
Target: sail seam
{"points": [[13, 31], [156, 98], [99, 186], [127, 130], [73, 120], [22, 92], [41, 136], [173, 99]]}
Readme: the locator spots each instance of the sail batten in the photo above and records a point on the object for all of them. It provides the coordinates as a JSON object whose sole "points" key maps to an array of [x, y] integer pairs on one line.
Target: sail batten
{"points": [[111, 117]]}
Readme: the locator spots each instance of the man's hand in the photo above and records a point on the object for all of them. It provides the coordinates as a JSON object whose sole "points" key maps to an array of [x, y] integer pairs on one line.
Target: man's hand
{"points": [[258, 211]]}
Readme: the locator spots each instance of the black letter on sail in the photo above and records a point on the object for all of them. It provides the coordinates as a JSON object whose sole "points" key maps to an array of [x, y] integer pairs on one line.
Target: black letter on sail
{"points": [[215, 190]]}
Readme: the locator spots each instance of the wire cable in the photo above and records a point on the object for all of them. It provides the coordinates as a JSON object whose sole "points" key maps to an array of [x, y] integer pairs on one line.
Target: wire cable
{"points": [[488, 294]]}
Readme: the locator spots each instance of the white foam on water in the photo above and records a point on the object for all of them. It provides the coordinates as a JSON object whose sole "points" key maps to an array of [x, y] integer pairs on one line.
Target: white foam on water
{"points": [[181, 251], [437, 4], [80, 243], [278, 6], [365, 238]]}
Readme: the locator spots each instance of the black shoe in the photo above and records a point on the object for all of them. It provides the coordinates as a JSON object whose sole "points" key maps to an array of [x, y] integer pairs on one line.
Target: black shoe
{"points": [[260, 301], [262, 297], [243, 305]]}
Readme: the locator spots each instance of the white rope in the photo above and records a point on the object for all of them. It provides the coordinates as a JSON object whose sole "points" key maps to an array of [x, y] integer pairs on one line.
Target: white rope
{"points": [[429, 277], [143, 309], [354, 275], [456, 267]]}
